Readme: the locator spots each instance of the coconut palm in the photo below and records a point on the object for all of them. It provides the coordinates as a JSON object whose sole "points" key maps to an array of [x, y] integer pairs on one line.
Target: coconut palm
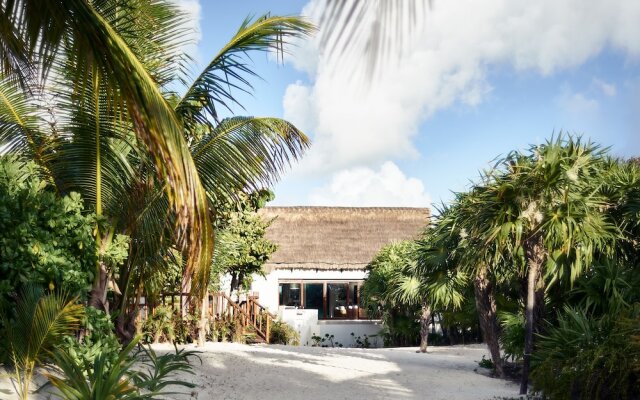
{"points": [[112, 48], [36, 329], [87, 142]]}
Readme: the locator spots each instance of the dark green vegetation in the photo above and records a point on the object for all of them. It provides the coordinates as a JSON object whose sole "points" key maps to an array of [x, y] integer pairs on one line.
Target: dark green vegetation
{"points": [[545, 249], [112, 183]]}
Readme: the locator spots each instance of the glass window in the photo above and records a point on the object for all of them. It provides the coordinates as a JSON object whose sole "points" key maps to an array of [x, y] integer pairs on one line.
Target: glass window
{"points": [[313, 297], [333, 300], [290, 294], [337, 300]]}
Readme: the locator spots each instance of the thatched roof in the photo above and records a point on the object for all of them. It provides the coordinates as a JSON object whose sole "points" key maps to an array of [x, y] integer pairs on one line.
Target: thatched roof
{"points": [[338, 238]]}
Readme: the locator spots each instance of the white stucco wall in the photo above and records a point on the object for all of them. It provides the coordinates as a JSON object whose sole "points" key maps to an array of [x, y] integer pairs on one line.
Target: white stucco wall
{"points": [[306, 321]]}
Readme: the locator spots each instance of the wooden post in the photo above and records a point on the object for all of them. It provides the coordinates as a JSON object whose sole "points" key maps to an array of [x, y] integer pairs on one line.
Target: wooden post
{"points": [[268, 332]]}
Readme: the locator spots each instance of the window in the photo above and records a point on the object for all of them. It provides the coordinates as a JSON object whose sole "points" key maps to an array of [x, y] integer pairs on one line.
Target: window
{"points": [[332, 299], [290, 294], [314, 297]]}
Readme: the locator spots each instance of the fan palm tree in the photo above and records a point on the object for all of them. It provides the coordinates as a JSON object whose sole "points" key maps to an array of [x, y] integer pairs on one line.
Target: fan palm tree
{"points": [[543, 208], [464, 250], [87, 140]]}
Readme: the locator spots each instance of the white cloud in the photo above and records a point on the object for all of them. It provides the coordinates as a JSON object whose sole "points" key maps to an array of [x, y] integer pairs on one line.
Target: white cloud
{"points": [[576, 102], [608, 89], [448, 64], [365, 187]]}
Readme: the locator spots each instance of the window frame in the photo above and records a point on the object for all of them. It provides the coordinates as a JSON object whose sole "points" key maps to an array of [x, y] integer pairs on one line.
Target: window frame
{"points": [[325, 295]]}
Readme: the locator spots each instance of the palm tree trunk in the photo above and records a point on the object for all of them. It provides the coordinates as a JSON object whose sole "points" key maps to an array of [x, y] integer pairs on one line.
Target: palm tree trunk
{"points": [[425, 318], [486, 305], [535, 257], [98, 294], [204, 321]]}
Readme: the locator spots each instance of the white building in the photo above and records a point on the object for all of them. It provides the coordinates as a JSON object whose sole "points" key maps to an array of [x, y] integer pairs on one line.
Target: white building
{"points": [[313, 280]]}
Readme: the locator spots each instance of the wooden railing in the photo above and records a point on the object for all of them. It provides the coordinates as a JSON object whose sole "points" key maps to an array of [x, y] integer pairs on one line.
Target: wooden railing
{"points": [[250, 313]]}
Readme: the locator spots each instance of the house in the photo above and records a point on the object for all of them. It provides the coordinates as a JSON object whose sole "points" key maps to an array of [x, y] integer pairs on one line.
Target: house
{"points": [[313, 280]]}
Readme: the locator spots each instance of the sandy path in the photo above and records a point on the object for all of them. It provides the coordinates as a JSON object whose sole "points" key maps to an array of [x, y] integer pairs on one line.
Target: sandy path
{"points": [[234, 371]]}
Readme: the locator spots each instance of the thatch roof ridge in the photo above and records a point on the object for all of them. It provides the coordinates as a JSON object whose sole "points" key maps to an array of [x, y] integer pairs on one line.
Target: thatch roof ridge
{"points": [[319, 237]]}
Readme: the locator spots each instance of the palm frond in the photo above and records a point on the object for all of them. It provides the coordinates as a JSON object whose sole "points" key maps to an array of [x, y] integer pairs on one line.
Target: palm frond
{"points": [[244, 153], [229, 70], [36, 330]]}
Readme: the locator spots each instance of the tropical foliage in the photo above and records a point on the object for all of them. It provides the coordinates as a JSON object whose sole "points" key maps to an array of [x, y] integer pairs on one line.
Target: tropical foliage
{"points": [[129, 161], [36, 328], [45, 239], [545, 246], [242, 247]]}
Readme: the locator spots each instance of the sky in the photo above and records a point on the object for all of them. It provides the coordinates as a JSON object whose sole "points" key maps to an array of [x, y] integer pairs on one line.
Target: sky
{"points": [[474, 81]]}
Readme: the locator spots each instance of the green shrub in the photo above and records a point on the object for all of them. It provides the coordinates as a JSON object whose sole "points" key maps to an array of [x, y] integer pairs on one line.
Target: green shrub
{"points": [[45, 239], [98, 339], [185, 329], [132, 375], [512, 338], [283, 333], [159, 327], [589, 358]]}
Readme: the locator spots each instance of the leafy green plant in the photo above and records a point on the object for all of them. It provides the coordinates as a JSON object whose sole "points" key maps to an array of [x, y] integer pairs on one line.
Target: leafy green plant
{"points": [[98, 339], [45, 239], [283, 333], [512, 339], [104, 380], [159, 327], [38, 326], [361, 341], [134, 375], [157, 371], [185, 329], [583, 357], [485, 363]]}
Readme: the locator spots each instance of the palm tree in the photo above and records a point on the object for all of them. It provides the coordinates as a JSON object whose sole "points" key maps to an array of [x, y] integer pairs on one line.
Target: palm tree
{"points": [[36, 330], [372, 31], [87, 141], [433, 281], [543, 208], [37, 35], [465, 250]]}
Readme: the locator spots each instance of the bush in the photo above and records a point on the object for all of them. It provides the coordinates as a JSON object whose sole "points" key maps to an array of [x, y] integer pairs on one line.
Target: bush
{"points": [[99, 339], [283, 333], [131, 376], [185, 329], [582, 357], [159, 327], [512, 338], [44, 239]]}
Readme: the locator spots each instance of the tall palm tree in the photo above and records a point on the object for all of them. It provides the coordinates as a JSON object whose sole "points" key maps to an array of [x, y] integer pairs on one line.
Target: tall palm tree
{"points": [[36, 35], [466, 251], [87, 140], [543, 208]]}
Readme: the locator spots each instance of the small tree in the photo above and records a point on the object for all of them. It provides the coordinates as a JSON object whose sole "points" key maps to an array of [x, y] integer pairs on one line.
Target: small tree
{"points": [[242, 248]]}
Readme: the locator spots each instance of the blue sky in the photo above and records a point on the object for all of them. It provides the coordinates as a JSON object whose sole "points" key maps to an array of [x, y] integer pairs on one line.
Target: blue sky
{"points": [[474, 84]]}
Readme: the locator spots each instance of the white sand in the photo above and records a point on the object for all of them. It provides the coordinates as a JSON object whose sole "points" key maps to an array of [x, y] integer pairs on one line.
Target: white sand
{"points": [[266, 372], [234, 371]]}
